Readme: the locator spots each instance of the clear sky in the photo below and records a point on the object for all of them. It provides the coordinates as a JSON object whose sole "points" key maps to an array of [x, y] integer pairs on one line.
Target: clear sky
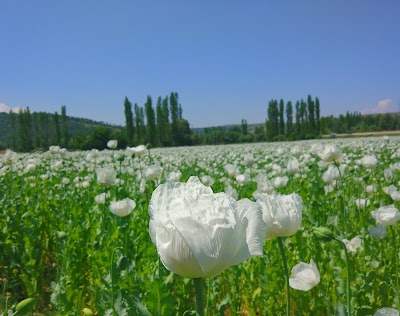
{"points": [[225, 58]]}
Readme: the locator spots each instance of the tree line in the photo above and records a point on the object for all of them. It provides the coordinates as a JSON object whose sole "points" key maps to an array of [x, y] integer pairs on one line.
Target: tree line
{"points": [[37, 130], [358, 123], [160, 127], [163, 125]]}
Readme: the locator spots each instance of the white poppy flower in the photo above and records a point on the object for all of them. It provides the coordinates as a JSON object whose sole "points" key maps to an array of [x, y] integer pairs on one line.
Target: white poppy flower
{"points": [[369, 161], [387, 311], [331, 153], [378, 232], [200, 234], [112, 144], [281, 213], [386, 215], [106, 176], [362, 203], [138, 151], [153, 172], [279, 182], [123, 207], [304, 276], [207, 180], [242, 179], [100, 198], [174, 176], [390, 189], [352, 245]]}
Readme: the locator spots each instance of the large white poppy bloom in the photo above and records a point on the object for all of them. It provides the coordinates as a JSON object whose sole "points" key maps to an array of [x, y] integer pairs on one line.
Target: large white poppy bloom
{"points": [[304, 276], [200, 234], [281, 213]]}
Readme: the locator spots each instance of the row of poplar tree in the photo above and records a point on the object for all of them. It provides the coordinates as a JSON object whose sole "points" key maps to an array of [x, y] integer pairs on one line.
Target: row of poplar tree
{"points": [[159, 127], [38, 130], [305, 124]]}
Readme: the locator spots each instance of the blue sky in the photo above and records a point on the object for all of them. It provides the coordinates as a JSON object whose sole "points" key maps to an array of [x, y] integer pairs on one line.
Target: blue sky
{"points": [[226, 59]]}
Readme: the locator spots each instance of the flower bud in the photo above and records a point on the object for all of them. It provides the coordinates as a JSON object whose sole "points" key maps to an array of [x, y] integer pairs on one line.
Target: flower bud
{"points": [[87, 311], [323, 233], [25, 306]]}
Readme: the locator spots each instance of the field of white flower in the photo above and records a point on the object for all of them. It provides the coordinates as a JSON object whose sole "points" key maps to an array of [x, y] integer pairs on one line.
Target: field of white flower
{"points": [[303, 228]]}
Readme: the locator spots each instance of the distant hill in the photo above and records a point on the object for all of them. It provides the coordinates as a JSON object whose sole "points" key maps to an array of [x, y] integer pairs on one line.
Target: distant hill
{"points": [[76, 127]]}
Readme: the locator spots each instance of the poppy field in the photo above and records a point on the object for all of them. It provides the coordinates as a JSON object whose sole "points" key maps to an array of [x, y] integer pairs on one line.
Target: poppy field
{"points": [[286, 228]]}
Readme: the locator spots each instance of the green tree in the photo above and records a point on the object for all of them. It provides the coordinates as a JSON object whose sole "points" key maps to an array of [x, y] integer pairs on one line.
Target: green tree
{"points": [[244, 127], [13, 130], [272, 124], [289, 119], [174, 110], [317, 117], [44, 130], [151, 132], [166, 128], [298, 120], [311, 116], [139, 122], [129, 121], [281, 117], [57, 136], [64, 122], [36, 130]]}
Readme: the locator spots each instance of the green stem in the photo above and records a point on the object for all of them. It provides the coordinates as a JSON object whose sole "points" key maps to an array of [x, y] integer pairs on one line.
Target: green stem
{"points": [[392, 230], [348, 293], [345, 219], [112, 277], [198, 287], [285, 267]]}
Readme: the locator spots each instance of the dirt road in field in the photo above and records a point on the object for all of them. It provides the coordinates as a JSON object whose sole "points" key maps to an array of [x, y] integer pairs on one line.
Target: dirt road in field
{"points": [[383, 133]]}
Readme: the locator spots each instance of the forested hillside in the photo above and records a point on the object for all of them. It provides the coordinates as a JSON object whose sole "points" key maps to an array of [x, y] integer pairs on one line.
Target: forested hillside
{"points": [[79, 130]]}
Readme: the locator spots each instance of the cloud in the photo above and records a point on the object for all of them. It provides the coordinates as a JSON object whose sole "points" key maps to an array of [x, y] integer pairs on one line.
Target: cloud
{"points": [[4, 108], [383, 106]]}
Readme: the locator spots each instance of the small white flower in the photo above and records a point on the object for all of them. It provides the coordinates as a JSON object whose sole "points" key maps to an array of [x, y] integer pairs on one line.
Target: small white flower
{"points": [[395, 196], [369, 161], [30, 167], [387, 311], [174, 176], [386, 215], [153, 172], [242, 179], [378, 232], [304, 276], [281, 213], [138, 151], [123, 207], [352, 245], [331, 153], [100, 199], [112, 144], [248, 160], [390, 189], [279, 182], [106, 176], [362, 203], [207, 180]]}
